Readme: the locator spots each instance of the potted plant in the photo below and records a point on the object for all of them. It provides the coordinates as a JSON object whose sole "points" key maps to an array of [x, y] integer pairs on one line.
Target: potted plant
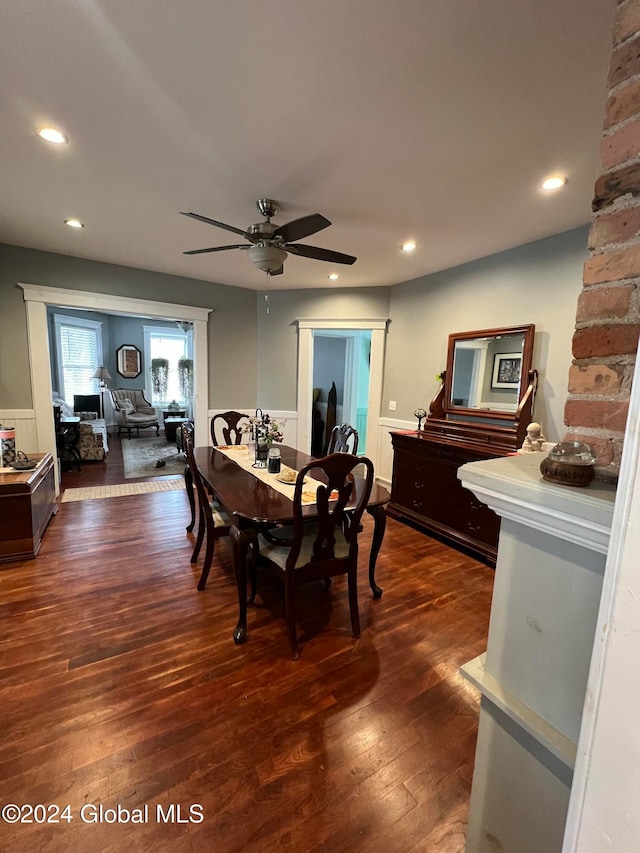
{"points": [[160, 377], [185, 378]]}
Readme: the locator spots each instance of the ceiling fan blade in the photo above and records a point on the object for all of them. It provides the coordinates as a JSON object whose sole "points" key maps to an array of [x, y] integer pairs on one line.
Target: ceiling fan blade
{"points": [[303, 227], [320, 254], [214, 249], [215, 222]]}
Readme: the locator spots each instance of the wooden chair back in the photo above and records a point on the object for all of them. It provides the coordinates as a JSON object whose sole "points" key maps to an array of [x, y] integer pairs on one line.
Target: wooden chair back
{"points": [[212, 519], [325, 544], [343, 439], [226, 427], [187, 447], [339, 509]]}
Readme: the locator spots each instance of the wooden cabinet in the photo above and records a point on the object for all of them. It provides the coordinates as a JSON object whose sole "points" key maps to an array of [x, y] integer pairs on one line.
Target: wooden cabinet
{"points": [[27, 502], [426, 490]]}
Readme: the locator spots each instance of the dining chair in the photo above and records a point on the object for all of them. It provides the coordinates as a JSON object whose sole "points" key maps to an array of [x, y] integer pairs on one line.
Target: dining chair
{"points": [[342, 435], [325, 546], [229, 426], [212, 518]]}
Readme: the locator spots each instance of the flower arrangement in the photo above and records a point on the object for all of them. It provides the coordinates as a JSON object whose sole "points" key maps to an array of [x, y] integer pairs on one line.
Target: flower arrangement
{"points": [[264, 428]]}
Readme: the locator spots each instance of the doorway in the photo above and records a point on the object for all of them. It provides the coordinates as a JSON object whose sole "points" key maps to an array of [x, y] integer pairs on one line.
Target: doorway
{"points": [[37, 298], [306, 329], [341, 360]]}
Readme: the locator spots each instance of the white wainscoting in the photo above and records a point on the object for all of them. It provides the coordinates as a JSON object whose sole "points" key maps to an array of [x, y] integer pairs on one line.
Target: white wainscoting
{"points": [[24, 421], [381, 456], [384, 454], [288, 422]]}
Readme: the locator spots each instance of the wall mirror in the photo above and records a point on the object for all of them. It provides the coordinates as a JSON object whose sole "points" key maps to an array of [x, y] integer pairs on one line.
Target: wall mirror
{"points": [[488, 372], [128, 361]]}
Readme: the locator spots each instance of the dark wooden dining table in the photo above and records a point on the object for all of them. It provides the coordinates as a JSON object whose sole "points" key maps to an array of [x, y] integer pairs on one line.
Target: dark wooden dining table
{"points": [[251, 503]]}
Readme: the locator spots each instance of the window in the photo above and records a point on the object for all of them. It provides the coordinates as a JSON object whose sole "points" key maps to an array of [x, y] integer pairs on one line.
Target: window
{"points": [[172, 344], [79, 353]]}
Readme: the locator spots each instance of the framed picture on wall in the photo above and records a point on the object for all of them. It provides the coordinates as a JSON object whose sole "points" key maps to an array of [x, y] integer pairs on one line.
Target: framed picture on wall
{"points": [[129, 361], [507, 367]]}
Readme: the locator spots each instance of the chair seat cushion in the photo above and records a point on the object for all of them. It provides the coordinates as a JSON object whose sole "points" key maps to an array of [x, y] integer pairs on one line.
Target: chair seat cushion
{"points": [[278, 554], [135, 418], [220, 517]]}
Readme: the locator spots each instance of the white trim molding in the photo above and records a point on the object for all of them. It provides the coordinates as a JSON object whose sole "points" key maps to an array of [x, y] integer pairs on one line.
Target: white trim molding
{"points": [[24, 421], [384, 467], [306, 327], [288, 420], [37, 297]]}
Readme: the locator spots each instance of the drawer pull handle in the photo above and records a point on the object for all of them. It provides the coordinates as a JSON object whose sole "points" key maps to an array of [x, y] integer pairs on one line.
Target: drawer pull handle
{"points": [[417, 504]]}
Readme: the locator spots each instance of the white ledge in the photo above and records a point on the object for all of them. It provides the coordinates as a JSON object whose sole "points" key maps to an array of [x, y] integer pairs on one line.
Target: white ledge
{"points": [[513, 487], [542, 731]]}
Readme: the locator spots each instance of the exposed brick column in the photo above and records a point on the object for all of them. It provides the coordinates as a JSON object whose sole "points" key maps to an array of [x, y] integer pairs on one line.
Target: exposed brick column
{"points": [[608, 316]]}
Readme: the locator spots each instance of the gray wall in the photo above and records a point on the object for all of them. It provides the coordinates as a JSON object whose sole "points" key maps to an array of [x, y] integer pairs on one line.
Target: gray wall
{"points": [[232, 326], [278, 339], [538, 283]]}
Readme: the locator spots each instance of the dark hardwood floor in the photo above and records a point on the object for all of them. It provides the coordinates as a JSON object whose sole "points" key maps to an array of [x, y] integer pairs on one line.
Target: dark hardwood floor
{"points": [[120, 685]]}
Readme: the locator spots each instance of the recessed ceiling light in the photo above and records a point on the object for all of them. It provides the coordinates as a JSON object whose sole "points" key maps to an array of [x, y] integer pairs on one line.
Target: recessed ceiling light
{"points": [[409, 246], [553, 183], [74, 223], [51, 134], [333, 276]]}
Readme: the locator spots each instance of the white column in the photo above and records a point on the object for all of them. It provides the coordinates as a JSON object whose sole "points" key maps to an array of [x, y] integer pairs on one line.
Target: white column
{"points": [[551, 559]]}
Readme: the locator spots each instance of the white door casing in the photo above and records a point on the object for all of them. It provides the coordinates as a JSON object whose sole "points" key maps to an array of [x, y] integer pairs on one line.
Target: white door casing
{"points": [[306, 327], [37, 297]]}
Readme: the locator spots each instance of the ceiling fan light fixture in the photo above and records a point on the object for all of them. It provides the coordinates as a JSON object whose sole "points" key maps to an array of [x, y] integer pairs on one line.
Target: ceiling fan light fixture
{"points": [[267, 258]]}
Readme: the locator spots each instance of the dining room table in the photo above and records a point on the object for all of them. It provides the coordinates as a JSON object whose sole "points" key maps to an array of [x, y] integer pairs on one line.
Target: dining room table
{"points": [[254, 498]]}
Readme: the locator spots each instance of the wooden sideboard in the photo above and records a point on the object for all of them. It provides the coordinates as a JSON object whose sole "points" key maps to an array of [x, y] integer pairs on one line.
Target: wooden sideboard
{"points": [[426, 491], [27, 502]]}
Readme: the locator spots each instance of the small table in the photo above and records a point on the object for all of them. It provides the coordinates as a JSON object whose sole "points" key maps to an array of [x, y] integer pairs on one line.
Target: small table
{"points": [[67, 436], [171, 425], [173, 413]]}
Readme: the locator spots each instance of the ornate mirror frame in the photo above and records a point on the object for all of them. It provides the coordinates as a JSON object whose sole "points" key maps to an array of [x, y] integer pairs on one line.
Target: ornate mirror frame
{"points": [[501, 351], [503, 426], [128, 361]]}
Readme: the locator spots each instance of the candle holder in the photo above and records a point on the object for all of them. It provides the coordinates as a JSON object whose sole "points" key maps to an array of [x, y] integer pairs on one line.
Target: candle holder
{"points": [[420, 414]]}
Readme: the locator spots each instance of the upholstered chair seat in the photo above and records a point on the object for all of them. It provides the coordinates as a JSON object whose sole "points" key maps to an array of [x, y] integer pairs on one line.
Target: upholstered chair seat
{"points": [[133, 411]]}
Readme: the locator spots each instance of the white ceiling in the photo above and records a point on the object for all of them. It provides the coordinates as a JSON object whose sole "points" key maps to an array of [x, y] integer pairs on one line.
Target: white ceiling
{"points": [[427, 119]]}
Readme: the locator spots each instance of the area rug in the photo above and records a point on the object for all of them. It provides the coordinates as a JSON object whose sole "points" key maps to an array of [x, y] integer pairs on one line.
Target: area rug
{"points": [[140, 456], [92, 493]]}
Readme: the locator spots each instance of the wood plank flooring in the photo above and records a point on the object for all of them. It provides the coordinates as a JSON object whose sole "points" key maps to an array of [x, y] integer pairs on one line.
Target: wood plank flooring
{"points": [[120, 685]]}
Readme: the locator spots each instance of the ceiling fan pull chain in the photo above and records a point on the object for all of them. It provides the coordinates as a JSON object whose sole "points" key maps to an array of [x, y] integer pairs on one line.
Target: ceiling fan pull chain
{"points": [[266, 296]]}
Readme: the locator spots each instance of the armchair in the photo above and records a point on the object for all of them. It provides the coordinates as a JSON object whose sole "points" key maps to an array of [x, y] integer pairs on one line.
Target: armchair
{"points": [[133, 411]]}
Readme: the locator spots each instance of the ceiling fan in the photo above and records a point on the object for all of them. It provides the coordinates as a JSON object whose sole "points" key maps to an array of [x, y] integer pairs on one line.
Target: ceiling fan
{"points": [[269, 244]]}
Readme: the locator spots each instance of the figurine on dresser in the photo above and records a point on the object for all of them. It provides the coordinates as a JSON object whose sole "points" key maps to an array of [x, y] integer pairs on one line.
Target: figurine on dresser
{"points": [[534, 439]]}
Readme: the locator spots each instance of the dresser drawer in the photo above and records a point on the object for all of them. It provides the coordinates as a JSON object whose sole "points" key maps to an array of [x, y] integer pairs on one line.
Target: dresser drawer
{"points": [[426, 490]]}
